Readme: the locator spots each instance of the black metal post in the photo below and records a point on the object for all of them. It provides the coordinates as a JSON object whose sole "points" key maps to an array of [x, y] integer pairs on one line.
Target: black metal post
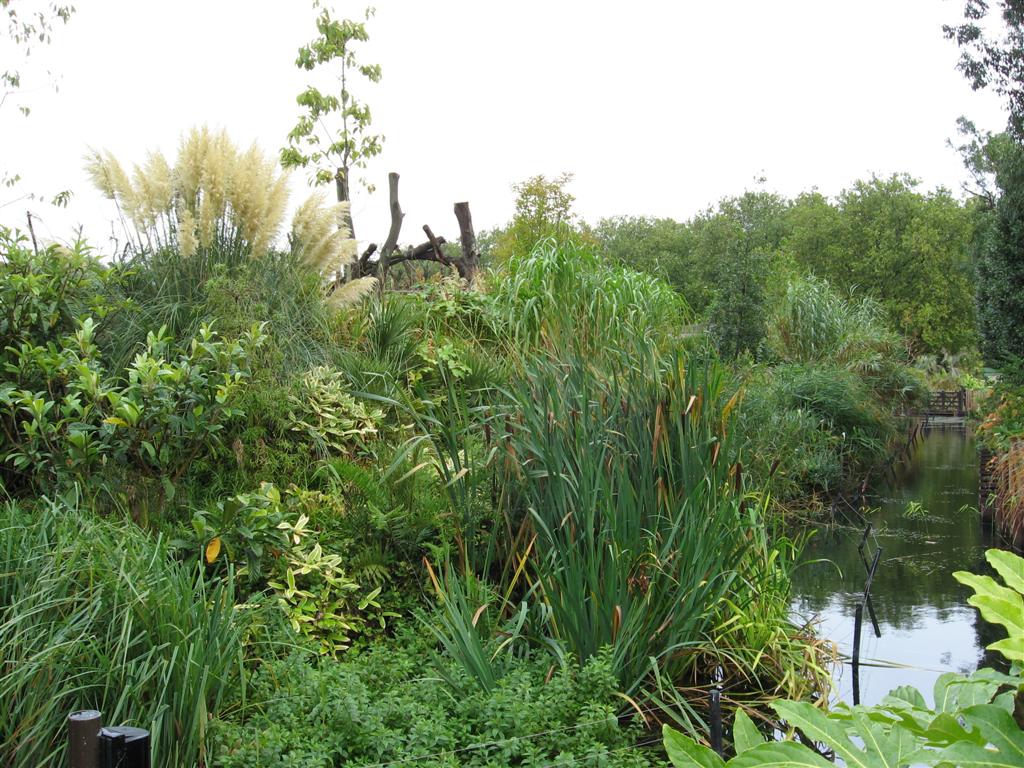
{"points": [[867, 592], [870, 571], [83, 738], [858, 620], [715, 716], [124, 747]]}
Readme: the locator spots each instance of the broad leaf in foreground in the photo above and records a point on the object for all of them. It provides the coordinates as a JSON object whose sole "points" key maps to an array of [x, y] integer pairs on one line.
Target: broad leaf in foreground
{"points": [[883, 747], [1004, 746], [999, 604], [780, 753], [684, 752], [744, 733]]}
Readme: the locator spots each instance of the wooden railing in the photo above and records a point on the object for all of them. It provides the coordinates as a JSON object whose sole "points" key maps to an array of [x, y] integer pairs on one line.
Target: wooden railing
{"points": [[947, 403]]}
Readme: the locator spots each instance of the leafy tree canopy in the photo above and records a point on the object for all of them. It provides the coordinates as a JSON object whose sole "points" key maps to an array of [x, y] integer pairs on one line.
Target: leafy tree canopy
{"points": [[990, 60]]}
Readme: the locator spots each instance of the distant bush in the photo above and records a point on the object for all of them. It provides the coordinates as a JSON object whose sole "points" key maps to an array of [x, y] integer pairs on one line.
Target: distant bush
{"points": [[819, 423], [828, 404]]}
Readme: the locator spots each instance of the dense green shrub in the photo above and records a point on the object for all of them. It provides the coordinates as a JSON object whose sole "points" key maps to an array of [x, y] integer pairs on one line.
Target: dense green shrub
{"points": [[146, 426], [95, 615], [393, 705], [285, 545], [329, 418], [44, 294]]}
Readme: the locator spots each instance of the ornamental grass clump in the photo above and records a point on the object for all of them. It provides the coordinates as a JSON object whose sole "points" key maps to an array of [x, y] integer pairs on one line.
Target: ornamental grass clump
{"points": [[213, 219], [94, 614], [212, 197], [560, 291], [219, 204]]}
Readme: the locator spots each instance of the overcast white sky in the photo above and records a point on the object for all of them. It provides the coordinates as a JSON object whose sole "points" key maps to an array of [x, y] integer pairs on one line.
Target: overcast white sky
{"points": [[659, 108]]}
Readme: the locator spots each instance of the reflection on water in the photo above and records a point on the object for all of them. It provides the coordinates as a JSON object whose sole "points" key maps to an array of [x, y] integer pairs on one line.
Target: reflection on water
{"points": [[927, 626]]}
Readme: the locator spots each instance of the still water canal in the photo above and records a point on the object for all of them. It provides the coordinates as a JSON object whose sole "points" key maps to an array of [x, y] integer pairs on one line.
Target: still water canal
{"points": [[927, 627]]}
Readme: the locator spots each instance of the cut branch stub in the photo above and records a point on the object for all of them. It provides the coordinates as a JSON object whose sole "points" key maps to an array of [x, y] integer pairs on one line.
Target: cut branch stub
{"points": [[436, 244]]}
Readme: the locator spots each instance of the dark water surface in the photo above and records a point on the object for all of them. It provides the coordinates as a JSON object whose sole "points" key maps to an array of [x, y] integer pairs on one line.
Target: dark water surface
{"points": [[927, 627]]}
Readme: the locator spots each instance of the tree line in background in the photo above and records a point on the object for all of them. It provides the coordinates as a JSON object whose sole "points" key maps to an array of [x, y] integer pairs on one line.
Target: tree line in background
{"points": [[884, 238]]}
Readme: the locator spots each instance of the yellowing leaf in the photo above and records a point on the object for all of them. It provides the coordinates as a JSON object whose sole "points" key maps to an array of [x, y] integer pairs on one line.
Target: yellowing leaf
{"points": [[115, 421], [213, 549]]}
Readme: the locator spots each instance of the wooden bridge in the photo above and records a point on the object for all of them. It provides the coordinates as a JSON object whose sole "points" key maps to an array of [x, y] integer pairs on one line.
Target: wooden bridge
{"points": [[947, 403]]}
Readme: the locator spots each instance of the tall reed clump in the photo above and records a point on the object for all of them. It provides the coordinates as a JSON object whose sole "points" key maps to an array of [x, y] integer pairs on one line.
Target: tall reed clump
{"points": [[94, 614], [561, 291], [816, 326], [814, 323], [635, 495], [623, 525], [215, 211]]}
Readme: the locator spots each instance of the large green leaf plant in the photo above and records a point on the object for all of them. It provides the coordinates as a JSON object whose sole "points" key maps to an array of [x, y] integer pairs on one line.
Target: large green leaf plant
{"points": [[971, 724]]}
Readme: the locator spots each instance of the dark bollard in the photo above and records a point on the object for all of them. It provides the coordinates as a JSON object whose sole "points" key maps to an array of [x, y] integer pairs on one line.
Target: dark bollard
{"points": [[113, 753], [83, 738], [124, 747], [716, 720]]}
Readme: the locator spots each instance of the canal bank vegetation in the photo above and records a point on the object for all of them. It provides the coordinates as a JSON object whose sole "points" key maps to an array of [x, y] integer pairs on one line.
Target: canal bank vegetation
{"points": [[544, 498], [1001, 433], [283, 506]]}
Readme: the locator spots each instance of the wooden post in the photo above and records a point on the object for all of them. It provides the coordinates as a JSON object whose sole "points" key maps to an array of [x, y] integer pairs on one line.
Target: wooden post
{"points": [[396, 228], [470, 261], [83, 738]]}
